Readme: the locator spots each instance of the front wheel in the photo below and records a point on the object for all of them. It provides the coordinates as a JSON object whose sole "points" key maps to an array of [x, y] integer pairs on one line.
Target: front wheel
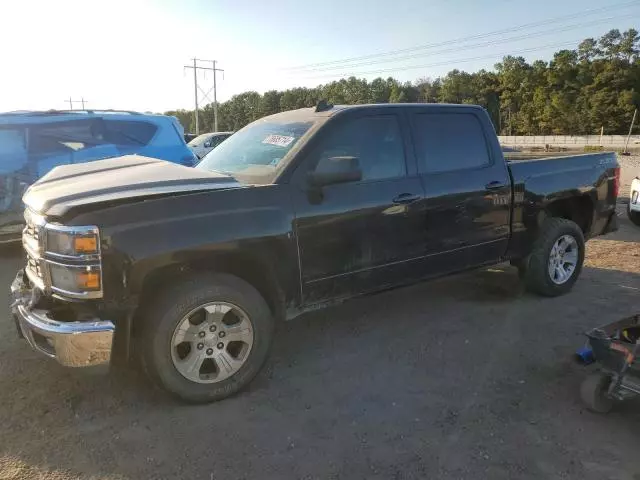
{"points": [[556, 259], [207, 337]]}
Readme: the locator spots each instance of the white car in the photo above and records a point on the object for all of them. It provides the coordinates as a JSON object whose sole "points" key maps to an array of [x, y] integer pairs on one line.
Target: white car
{"points": [[203, 144], [633, 208]]}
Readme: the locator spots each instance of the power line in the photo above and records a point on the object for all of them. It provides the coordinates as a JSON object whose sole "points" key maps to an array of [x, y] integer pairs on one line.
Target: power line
{"points": [[468, 38], [448, 62], [466, 47], [464, 39], [215, 70]]}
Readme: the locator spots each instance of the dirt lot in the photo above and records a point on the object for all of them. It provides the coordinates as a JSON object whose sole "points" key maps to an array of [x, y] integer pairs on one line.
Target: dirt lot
{"points": [[466, 377]]}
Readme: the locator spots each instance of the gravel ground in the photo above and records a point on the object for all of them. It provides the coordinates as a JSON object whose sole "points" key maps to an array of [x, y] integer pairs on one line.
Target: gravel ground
{"points": [[465, 377]]}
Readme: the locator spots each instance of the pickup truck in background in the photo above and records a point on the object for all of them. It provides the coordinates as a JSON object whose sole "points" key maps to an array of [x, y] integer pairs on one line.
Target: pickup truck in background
{"points": [[191, 269]]}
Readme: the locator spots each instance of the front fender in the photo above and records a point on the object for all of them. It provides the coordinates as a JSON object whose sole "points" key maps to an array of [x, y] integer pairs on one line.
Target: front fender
{"points": [[144, 237]]}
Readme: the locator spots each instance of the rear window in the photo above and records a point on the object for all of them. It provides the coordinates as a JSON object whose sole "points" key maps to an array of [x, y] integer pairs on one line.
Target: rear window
{"points": [[449, 141], [129, 132]]}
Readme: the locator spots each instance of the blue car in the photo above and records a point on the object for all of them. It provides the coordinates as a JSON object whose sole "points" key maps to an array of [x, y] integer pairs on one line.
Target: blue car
{"points": [[32, 143]]}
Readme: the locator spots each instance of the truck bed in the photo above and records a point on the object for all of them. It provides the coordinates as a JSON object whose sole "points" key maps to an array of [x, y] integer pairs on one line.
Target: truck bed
{"points": [[588, 182], [593, 165], [515, 156]]}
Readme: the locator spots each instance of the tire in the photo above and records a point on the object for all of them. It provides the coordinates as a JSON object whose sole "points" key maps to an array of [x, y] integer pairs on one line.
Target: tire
{"points": [[593, 392], [176, 306], [537, 276], [633, 216]]}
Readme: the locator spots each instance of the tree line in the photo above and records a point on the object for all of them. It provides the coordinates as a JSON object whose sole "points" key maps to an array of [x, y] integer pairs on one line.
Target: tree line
{"points": [[580, 91]]}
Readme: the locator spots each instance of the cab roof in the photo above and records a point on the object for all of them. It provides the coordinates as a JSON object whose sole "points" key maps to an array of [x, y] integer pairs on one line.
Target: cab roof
{"points": [[46, 116], [329, 110]]}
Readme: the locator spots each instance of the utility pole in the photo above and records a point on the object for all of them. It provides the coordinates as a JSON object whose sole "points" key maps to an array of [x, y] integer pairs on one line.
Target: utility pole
{"points": [[601, 134], [71, 102], [215, 70], [215, 100], [633, 120], [195, 94]]}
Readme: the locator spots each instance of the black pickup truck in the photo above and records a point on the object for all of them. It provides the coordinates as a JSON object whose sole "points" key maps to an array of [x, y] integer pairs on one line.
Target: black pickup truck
{"points": [[190, 269]]}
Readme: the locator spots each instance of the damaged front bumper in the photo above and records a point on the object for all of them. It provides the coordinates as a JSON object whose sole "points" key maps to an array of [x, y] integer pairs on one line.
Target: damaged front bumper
{"points": [[72, 344]]}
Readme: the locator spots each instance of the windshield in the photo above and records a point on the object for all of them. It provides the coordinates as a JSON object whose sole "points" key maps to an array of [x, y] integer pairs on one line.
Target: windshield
{"points": [[253, 154], [199, 140]]}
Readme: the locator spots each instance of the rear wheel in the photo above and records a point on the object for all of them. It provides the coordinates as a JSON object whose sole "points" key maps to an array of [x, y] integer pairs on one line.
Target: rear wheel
{"points": [[556, 259], [593, 392], [207, 337]]}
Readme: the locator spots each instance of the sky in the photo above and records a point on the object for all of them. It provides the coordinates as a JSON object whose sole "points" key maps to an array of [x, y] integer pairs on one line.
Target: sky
{"points": [[130, 54]]}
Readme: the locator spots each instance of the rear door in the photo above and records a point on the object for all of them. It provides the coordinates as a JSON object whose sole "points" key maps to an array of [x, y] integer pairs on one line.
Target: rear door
{"points": [[467, 188], [365, 235]]}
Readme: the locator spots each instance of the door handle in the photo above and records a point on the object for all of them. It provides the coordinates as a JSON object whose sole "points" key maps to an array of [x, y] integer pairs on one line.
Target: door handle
{"points": [[495, 185], [405, 198]]}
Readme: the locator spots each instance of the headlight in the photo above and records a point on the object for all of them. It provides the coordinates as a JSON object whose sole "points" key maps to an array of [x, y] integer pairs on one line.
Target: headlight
{"points": [[75, 279], [72, 255], [73, 243]]}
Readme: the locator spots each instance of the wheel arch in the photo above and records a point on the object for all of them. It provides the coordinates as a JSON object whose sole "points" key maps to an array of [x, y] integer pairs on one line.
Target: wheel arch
{"points": [[240, 263], [579, 209]]}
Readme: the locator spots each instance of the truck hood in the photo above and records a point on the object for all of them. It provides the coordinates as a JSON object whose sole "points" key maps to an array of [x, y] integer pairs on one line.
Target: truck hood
{"points": [[117, 179]]}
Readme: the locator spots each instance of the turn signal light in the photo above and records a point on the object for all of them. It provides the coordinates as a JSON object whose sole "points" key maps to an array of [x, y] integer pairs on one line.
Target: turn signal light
{"points": [[85, 244], [89, 280]]}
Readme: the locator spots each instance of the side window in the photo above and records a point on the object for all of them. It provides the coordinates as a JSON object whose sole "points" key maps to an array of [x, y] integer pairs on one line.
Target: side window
{"points": [[128, 132], [449, 141], [377, 143], [64, 137]]}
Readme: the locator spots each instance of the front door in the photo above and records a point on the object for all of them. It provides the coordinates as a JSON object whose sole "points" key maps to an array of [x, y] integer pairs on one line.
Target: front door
{"points": [[467, 191], [358, 236]]}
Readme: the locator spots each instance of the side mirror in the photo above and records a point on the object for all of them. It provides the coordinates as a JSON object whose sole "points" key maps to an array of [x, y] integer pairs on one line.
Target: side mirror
{"points": [[338, 170]]}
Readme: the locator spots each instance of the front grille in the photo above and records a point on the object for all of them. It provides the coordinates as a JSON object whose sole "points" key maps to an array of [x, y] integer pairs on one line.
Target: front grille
{"points": [[31, 230], [34, 265], [32, 241]]}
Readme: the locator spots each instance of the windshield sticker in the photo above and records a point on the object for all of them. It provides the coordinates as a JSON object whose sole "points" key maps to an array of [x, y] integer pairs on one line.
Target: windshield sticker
{"points": [[278, 140]]}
